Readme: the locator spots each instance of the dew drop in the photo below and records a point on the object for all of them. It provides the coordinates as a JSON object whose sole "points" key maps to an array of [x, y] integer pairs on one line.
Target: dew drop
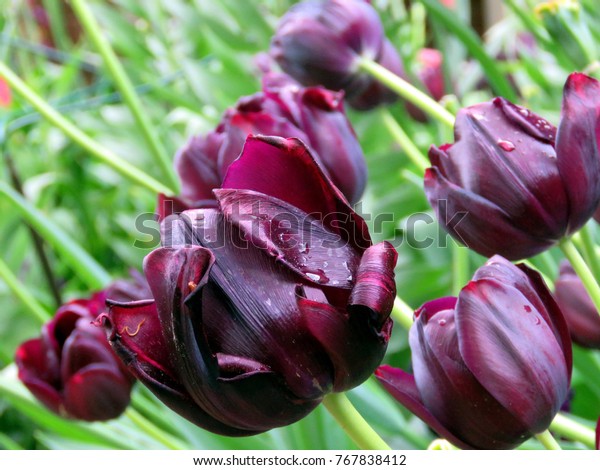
{"points": [[441, 322], [506, 145], [524, 112], [304, 247], [537, 320], [527, 308], [318, 275]]}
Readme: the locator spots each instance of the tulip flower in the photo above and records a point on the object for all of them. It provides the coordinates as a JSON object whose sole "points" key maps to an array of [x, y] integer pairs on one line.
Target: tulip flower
{"points": [[431, 75], [577, 306], [522, 183], [71, 368], [264, 304], [491, 367], [322, 41], [284, 108]]}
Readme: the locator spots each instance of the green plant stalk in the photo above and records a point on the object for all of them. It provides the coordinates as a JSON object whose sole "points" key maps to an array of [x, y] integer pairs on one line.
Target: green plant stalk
{"points": [[406, 91], [80, 261], [21, 292], [8, 443], [124, 85], [154, 431], [402, 313], [405, 142], [548, 441], [582, 270], [589, 251], [353, 423], [55, 11], [570, 429], [460, 267], [103, 154]]}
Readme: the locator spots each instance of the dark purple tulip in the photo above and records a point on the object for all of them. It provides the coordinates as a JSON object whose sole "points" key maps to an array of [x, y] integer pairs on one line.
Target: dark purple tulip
{"points": [[319, 42], [264, 304], [522, 183], [284, 108], [597, 215], [71, 368], [430, 73], [577, 306], [491, 367]]}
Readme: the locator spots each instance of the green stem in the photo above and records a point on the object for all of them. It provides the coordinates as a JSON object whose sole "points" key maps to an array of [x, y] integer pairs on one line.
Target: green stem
{"points": [[402, 313], [21, 292], [154, 431], [353, 423], [589, 251], [72, 131], [126, 88], [460, 267], [407, 91], [441, 444], [548, 440], [80, 261], [570, 429], [405, 142], [582, 270]]}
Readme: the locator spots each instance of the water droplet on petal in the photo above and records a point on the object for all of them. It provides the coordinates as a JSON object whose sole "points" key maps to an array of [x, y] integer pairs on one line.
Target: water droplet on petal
{"points": [[506, 145], [537, 320], [527, 308], [441, 322], [304, 247], [524, 112]]}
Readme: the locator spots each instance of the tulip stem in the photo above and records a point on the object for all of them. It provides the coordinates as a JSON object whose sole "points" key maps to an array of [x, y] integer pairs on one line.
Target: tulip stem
{"points": [[125, 87], [154, 431], [402, 313], [589, 251], [353, 423], [21, 292], [101, 153], [460, 267], [548, 440], [405, 142], [570, 429], [407, 91], [582, 270]]}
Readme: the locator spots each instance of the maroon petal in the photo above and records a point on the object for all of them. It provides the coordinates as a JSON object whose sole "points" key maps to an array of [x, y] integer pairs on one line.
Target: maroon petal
{"points": [[82, 350], [38, 370], [403, 388], [291, 236], [465, 216], [512, 351], [96, 393], [577, 145], [135, 334], [375, 287], [451, 392], [354, 344], [196, 164], [294, 177]]}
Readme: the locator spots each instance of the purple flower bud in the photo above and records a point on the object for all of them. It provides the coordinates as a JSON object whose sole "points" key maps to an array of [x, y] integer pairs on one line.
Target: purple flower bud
{"points": [[71, 368], [264, 304], [520, 183], [284, 108], [491, 367], [431, 75], [577, 306], [319, 42]]}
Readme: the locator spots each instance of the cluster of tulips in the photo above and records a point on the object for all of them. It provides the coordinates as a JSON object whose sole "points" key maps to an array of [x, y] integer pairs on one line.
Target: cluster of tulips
{"points": [[268, 294]]}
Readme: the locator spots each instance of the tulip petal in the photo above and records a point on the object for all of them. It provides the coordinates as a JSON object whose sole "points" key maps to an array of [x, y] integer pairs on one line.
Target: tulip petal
{"points": [[196, 164], [577, 145], [375, 288], [96, 393], [498, 156], [402, 387], [512, 351], [451, 392], [577, 306], [291, 236], [294, 177], [334, 141], [38, 370], [135, 333], [83, 350], [461, 213], [354, 345]]}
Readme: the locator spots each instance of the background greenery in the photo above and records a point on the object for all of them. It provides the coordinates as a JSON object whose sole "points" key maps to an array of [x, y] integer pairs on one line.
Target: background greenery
{"points": [[189, 61]]}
